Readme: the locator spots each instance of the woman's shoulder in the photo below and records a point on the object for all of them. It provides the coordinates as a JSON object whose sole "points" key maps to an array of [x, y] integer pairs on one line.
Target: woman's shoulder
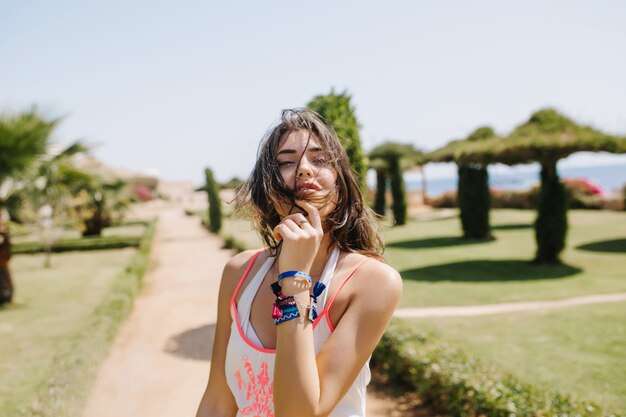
{"points": [[374, 277], [368, 265], [237, 265]]}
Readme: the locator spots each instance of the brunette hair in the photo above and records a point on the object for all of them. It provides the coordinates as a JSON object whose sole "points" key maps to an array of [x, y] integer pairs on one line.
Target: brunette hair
{"points": [[352, 224]]}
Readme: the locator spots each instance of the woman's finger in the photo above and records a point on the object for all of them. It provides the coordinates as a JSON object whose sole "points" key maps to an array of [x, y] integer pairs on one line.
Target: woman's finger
{"points": [[314, 214], [301, 221], [291, 225], [282, 231], [298, 218]]}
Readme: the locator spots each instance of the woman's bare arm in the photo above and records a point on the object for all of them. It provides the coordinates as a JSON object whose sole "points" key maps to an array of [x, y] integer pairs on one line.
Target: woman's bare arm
{"points": [[310, 386], [307, 385], [218, 401]]}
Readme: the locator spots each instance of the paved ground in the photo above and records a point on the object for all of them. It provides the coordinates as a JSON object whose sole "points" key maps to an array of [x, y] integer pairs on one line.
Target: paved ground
{"points": [[477, 310], [160, 360]]}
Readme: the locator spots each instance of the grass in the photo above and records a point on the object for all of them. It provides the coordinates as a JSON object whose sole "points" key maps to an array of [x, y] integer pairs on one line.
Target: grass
{"points": [[441, 269], [580, 350], [60, 325]]}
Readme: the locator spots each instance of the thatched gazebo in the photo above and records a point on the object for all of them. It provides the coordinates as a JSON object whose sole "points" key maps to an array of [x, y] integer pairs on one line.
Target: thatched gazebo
{"points": [[545, 138], [390, 160]]}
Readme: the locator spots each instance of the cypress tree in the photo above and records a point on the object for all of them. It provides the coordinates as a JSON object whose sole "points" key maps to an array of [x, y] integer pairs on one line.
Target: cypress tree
{"points": [[473, 200], [473, 196], [394, 158], [551, 223], [399, 205], [337, 111], [215, 205], [381, 189]]}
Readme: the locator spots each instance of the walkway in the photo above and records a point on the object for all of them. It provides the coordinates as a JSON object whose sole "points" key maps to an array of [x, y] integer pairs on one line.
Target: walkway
{"points": [[159, 363], [477, 310]]}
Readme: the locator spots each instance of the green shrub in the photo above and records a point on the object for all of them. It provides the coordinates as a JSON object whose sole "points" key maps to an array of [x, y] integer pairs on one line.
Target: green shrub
{"points": [[444, 200], [454, 383], [85, 243], [215, 204], [515, 199]]}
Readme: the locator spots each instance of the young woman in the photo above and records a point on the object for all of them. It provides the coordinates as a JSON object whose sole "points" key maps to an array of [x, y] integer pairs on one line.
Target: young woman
{"points": [[301, 347]]}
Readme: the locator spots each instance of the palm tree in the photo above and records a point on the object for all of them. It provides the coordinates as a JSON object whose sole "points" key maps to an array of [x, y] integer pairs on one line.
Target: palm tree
{"points": [[96, 202], [23, 139]]}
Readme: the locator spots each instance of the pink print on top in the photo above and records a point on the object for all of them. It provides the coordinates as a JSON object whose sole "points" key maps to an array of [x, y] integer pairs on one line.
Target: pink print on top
{"points": [[258, 390]]}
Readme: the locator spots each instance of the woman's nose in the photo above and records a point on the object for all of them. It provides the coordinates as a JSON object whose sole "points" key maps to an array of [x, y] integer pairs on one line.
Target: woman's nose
{"points": [[304, 169]]}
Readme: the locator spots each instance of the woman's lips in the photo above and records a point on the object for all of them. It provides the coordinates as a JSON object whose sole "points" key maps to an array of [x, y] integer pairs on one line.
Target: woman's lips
{"points": [[307, 187]]}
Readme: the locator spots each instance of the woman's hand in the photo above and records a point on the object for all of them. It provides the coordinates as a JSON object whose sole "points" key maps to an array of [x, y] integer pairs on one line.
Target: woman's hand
{"points": [[301, 238]]}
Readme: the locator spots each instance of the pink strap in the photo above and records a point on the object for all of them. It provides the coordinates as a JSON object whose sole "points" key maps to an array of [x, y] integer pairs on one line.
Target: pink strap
{"points": [[332, 299], [245, 274]]}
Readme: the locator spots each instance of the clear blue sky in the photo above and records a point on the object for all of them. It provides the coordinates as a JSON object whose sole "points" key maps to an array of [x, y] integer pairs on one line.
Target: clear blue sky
{"points": [[177, 86]]}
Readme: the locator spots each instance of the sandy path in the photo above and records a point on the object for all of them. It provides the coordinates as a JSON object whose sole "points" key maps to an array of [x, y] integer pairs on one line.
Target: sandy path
{"points": [[477, 310], [159, 363]]}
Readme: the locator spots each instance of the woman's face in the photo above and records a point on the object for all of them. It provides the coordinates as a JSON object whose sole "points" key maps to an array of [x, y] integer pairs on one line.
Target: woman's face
{"points": [[313, 177]]}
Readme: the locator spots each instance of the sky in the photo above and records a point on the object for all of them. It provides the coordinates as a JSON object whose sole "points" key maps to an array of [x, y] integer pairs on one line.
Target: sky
{"points": [[170, 88]]}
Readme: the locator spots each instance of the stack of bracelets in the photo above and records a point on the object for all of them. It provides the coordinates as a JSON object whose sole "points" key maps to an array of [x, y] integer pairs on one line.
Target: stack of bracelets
{"points": [[286, 307]]}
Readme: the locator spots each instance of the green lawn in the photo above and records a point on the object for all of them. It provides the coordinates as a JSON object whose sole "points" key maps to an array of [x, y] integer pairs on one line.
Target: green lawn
{"points": [[50, 307], [578, 350], [441, 269], [62, 321]]}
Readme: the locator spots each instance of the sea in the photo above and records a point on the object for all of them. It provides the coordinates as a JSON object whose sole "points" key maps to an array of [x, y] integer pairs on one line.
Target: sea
{"points": [[610, 177]]}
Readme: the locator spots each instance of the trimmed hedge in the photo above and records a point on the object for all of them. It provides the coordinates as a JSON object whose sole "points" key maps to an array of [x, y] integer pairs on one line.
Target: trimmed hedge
{"points": [[85, 243], [528, 199], [454, 383]]}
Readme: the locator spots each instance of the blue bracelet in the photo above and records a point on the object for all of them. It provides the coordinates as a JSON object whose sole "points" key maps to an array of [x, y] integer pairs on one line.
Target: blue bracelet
{"points": [[296, 274]]}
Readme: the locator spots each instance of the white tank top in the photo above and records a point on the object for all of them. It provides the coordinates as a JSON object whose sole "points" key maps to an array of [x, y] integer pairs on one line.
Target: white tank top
{"points": [[249, 367]]}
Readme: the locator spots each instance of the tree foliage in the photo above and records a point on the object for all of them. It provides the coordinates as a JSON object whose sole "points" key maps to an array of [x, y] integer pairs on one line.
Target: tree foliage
{"points": [[337, 111], [23, 139], [473, 193], [546, 137], [551, 223], [391, 159], [215, 205]]}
